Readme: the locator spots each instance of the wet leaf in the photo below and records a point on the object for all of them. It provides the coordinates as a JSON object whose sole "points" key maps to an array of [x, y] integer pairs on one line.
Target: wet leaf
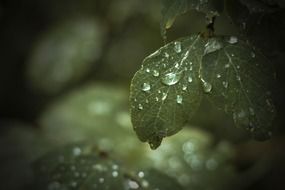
{"points": [[242, 80], [167, 90], [173, 8], [86, 167]]}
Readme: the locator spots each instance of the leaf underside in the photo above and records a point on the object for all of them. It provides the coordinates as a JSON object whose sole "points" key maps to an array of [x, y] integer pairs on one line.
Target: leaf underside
{"points": [[168, 88]]}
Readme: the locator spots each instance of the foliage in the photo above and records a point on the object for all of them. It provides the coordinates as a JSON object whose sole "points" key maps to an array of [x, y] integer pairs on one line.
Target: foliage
{"points": [[68, 112]]}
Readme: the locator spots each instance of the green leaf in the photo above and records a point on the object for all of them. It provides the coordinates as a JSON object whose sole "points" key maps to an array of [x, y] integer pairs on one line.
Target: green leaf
{"points": [[166, 91], [97, 113], [86, 167], [173, 8], [65, 54], [241, 80]]}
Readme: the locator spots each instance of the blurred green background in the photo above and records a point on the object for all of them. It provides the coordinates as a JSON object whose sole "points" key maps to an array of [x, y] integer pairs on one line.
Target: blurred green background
{"points": [[65, 72]]}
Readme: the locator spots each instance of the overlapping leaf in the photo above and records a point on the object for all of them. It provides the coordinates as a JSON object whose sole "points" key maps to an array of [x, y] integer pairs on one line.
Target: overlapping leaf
{"points": [[173, 8], [168, 88]]}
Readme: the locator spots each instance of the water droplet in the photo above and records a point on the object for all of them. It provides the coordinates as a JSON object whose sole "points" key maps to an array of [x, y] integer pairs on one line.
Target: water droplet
{"points": [[147, 70], [141, 174], [225, 84], [207, 87], [155, 73], [179, 99], [212, 46], [146, 87], [252, 54], [115, 167], [227, 66], [115, 174], [218, 76], [76, 151], [238, 78], [133, 184], [190, 79], [140, 107], [164, 96], [184, 87], [166, 55], [171, 78], [146, 101], [177, 47], [156, 99], [176, 65], [233, 40]]}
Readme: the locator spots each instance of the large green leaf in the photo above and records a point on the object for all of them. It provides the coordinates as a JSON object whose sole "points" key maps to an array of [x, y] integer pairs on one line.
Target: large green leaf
{"points": [[173, 8], [241, 79], [167, 90]]}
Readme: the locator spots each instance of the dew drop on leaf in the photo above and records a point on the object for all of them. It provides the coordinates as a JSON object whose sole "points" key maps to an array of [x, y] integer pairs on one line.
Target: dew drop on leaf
{"points": [[207, 87], [115, 174], [141, 174], [146, 87], [179, 99], [218, 76], [140, 107], [184, 87], [177, 47], [166, 55], [164, 96], [155, 73], [171, 78], [252, 54], [225, 84], [190, 79]]}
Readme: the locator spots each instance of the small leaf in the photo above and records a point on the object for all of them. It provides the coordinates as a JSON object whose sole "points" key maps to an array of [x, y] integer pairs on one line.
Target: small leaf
{"points": [[173, 8], [171, 97], [241, 79]]}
